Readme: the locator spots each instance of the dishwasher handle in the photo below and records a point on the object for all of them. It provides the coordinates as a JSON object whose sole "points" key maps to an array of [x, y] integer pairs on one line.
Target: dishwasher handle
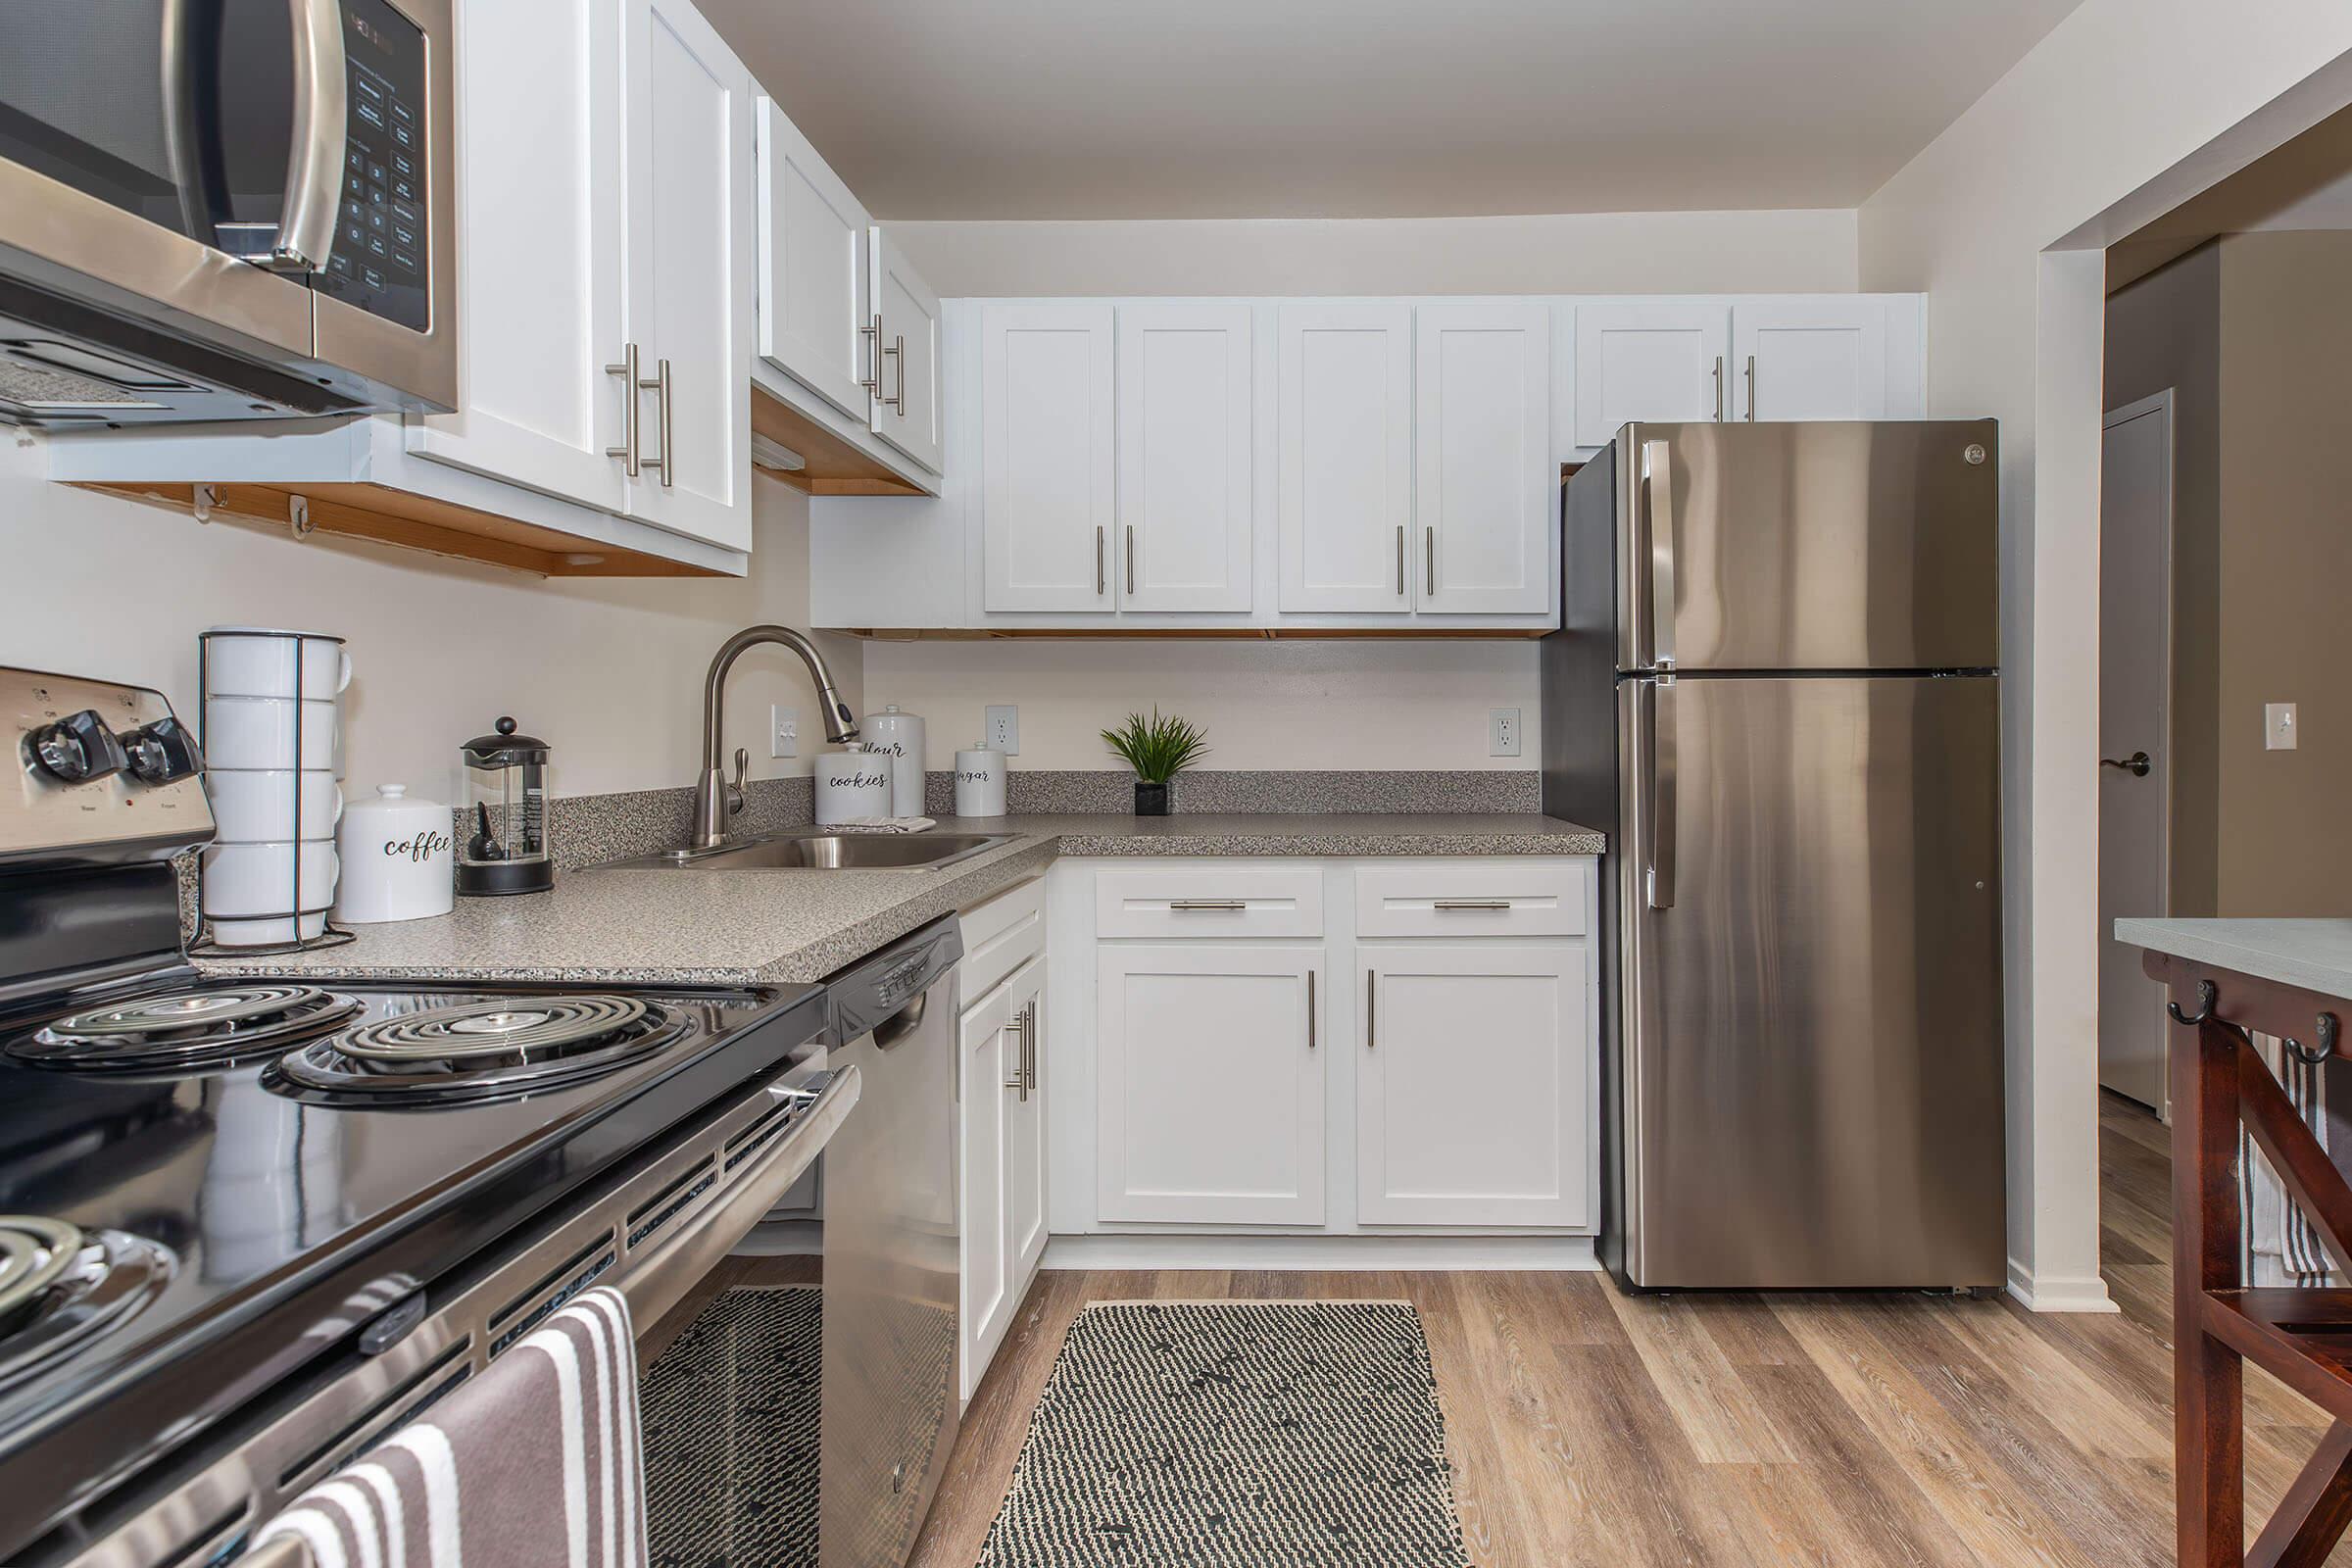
{"points": [[902, 1023]]}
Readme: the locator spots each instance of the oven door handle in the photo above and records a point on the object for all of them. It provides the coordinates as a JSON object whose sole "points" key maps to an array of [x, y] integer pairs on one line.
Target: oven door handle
{"points": [[305, 231], [661, 1280]]}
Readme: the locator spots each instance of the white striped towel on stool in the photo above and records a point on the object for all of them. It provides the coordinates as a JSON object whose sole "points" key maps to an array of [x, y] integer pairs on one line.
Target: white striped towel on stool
{"points": [[535, 1461]]}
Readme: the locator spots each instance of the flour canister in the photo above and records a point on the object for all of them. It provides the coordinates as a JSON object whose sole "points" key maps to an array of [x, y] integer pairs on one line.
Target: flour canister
{"points": [[901, 736], [979, 782], [397, 854], [851, 784]]}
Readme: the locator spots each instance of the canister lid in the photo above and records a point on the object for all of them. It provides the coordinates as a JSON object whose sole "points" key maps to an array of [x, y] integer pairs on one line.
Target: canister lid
{"points": [[505, 749]]}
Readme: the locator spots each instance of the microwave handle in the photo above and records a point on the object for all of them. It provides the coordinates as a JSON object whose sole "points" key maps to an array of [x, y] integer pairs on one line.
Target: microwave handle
{"points": [[183, 123], [321, 110]]}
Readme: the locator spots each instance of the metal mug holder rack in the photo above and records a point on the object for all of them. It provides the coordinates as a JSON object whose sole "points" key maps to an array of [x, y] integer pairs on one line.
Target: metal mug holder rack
{"points": [[206, 942]]}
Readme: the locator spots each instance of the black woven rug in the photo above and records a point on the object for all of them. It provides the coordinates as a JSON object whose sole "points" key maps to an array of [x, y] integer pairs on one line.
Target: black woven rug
{"points": [[1235, 1434], [731, 1433]]}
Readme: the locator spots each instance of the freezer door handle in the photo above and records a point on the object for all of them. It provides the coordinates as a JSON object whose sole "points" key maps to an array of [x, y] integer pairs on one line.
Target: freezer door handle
{"points": [[1657, 491], [1657, 712]]}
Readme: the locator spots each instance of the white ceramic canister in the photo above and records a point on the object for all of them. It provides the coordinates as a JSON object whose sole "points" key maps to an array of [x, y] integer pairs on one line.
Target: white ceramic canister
{"points": [[397, 854], [899, 734], [979, 782], [851, 784]]}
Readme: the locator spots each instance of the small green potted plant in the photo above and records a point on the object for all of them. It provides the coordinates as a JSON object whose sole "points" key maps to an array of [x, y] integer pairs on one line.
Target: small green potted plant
{"points": [[1158, 748]]}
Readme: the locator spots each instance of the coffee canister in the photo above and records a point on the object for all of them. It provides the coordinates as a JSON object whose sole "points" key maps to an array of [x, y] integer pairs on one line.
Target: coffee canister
{"points": [[850, 784], [979, 782], [901, 734], [397, 854]]}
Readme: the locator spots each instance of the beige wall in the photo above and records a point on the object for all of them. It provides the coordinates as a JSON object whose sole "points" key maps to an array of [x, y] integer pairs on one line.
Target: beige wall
{"points": [[1343, 704], [2125, 109], [1577, 253], [2286, 573], [608, 672], [2165, 332]]}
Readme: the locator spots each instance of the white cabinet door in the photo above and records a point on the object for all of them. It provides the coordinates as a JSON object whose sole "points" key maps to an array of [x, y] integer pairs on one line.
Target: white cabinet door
{"points": [[1047, 508], [1345, 433], [906, 366], [1649, 359], [1025, 1138], [1185, 437], [1484, 470], [1471, 1092], [1817, 358], [539, 159], [1209, 1084], [814, 278], [691, 258], [986, 1051]]}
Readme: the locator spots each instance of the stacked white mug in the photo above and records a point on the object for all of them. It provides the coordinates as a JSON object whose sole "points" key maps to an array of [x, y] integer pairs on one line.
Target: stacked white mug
{"points": [[273, 748]]}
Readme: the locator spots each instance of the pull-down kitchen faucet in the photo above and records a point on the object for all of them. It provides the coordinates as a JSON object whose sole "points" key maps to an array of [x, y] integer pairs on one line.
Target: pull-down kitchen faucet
{"points": [[714, 799]]}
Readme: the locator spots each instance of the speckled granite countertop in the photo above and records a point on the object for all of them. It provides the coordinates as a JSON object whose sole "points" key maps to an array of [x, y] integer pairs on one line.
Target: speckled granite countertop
{"points": [[750, 927]]}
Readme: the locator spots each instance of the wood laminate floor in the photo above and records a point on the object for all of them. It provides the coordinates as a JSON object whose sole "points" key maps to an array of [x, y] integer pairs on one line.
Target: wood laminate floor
{"points": [[1592, 1428]]}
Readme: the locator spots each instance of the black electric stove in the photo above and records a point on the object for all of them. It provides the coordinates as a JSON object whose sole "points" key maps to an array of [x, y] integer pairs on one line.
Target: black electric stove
{"points": [[211, 1190]]}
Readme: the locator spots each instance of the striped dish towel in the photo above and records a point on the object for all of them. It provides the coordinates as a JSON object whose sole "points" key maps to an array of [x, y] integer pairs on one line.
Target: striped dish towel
{"points": [[536, 1460]]}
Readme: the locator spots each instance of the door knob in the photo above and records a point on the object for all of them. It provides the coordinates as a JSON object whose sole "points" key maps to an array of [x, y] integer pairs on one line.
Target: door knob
{"points": [[2136, 764]]}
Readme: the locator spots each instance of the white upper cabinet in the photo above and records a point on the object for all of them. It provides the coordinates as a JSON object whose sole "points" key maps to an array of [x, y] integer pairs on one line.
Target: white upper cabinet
{"points": [[690, 203], [1484, 473], [540, 179], [1185, 438], [1649, 359], [907, 359], [1046, 504], [1810, 359], [814, 278], [1344, 447]]}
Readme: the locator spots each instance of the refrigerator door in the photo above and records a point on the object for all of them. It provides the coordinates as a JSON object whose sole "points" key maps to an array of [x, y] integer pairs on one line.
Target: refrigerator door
{"points": [[1810, 1053], [1824, 546]]}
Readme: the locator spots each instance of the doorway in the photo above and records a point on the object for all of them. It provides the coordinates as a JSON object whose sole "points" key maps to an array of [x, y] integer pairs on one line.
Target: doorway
{"points": [[2135, 669]]}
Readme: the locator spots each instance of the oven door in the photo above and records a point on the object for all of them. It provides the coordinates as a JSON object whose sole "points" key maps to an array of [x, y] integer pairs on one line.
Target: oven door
{"points": [[266, 177]]}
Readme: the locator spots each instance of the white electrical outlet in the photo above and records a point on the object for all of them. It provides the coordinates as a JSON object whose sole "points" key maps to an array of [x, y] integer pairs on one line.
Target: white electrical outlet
{"points": [[1002, 730], [1502, 732], [783, 731], [2277, 726]]}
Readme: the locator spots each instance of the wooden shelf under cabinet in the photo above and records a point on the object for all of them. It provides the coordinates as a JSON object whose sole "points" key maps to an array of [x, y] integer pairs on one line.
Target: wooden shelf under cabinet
{"points": [[833, 467]]}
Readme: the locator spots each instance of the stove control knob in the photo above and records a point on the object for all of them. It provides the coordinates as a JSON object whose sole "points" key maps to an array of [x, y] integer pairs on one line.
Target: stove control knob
{"points": [[78, 748], [162, 753]]}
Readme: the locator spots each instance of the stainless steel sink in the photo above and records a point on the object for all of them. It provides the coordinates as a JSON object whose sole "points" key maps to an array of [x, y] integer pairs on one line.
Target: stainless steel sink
{"points": [[846, 851]]}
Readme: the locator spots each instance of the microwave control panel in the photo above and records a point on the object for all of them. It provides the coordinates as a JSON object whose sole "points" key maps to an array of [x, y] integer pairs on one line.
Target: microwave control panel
{"points": [[380, 260]]}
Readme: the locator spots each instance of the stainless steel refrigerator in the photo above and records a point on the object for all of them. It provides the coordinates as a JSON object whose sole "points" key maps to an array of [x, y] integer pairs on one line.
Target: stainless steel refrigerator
{"points": [[1774, 688]]}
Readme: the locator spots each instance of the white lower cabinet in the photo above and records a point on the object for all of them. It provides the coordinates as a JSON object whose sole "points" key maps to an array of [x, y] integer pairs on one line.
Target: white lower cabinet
{"points": [[999, 1128], [1470, 1099], [1210, 1083]]}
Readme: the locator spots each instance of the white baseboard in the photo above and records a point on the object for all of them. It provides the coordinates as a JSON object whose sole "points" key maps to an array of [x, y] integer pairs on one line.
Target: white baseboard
{"points": [[2047, 1294], [1411, 1254]]}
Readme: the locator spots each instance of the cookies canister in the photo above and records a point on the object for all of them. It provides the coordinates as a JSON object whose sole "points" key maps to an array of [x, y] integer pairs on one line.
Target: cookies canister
{"points": [[979, 782], [397, 853], [853, 783]]}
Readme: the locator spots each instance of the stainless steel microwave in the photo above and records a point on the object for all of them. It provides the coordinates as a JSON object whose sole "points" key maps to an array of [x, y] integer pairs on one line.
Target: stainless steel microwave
{"points": [[225, 209]]}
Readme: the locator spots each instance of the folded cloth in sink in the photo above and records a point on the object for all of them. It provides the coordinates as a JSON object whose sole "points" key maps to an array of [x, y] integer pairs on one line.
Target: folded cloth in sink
{"points": [[536, 1460], [885, 824]]}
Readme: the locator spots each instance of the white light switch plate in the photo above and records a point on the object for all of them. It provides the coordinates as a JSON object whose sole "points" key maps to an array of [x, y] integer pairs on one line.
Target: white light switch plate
{"points": [[2277, 726], [783, 731], [1003, 728], [1502, 732]]}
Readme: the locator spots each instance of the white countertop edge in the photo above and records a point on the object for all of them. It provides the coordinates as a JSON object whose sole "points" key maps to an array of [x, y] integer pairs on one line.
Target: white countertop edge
{"points": [[2313, 953]]}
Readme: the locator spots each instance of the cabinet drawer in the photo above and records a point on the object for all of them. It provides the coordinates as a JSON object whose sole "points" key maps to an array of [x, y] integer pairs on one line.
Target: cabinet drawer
{"points": [[1001, 935], [1218, 900], [1535, 897]]}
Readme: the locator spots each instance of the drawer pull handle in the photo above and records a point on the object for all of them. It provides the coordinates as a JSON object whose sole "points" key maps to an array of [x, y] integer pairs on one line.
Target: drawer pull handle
{"points": [[1228, 906], [1471, 904]]}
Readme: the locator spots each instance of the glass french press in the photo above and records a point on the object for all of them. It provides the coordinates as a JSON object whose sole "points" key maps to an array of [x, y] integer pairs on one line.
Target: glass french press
{"points": [[502, 843]]}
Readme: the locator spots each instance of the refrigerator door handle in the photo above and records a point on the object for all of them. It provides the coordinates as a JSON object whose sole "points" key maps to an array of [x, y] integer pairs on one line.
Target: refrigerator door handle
{"points": [[1657, 714], [1657, 487]]}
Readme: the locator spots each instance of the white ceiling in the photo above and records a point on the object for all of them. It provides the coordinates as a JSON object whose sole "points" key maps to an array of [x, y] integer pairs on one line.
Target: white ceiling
{"points": [[1030, 108]]}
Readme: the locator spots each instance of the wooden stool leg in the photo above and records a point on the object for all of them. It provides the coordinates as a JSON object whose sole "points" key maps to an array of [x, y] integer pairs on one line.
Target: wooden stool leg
{"points": [[2208, 1422]]}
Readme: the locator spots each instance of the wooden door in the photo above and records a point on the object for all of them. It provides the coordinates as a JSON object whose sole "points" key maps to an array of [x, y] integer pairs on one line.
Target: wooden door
{"points": [[1209, 1084], [1344, 435], [1047, 507], [1186, 434], [1809, 359], [1486, 484], [1649, 359], [1471, 1085], [813, 285]]}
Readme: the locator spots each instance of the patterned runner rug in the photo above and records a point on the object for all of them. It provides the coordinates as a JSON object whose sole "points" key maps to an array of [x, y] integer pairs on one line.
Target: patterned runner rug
{"points": [[1235, 1434]]}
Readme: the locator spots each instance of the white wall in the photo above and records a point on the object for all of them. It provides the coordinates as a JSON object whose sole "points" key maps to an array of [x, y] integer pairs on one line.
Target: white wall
{"points": [[1796, 252], [1351, 704], [608, 671], [2127, 108]]}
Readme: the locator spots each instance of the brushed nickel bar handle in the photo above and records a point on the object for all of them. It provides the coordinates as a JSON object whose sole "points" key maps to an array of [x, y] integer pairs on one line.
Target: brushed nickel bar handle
{"points": [[1099, 577], [626, 451], [1718, 389], [1471, 904], [897, 352], [1400, 560], [873, 383], [1371, 1009], [1029, 1047], [1131, 560], [659, 387], [1429, 564], [1310, 1009], [1228, 906], [1019, 1027], [1751, 389]]}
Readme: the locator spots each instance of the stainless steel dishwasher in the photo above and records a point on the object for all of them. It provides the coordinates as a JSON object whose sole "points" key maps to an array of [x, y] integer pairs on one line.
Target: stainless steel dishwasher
{"points": [[890, 1247]]}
